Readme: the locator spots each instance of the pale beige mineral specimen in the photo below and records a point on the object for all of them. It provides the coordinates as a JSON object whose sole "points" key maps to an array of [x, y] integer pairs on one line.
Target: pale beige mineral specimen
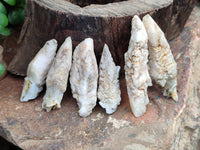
{"points": [[84, 76], [109, 90], [163, 68], [37, 71], [136, 69], [57, 77]]}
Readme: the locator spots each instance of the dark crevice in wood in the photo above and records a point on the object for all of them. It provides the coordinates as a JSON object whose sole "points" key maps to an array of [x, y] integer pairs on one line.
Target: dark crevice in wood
{"points": [[89, 2]]}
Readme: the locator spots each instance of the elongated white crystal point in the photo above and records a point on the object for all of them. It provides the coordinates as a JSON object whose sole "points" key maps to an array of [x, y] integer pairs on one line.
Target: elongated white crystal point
{"points": [[109, 90], [84, 76], [163, 68], [136, 69], [37, 71], [57, 77]]}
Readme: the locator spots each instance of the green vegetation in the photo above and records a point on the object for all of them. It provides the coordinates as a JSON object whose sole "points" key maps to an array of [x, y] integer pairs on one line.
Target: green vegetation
{"points": [[11, 14], [2, 69]]}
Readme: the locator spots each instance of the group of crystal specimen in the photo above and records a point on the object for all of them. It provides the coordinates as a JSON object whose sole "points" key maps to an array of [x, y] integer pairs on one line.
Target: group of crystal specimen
{"points": [[83, 77], [162, 66], [148, 56]]}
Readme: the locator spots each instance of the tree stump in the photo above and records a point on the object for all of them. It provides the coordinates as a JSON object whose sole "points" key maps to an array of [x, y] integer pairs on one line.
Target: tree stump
{"points": [[105, 23]]}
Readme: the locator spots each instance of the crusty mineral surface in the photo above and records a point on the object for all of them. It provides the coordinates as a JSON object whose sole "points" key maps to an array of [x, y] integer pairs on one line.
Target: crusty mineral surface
{"points": [[136, 69], [84, 76], [163, 68], [57, 77], [109, 92], [37, 71]]}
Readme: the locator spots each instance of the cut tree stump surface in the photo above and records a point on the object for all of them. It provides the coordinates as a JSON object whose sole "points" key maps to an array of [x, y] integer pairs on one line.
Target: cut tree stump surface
{"points": [[29, 127], [105, 23]]}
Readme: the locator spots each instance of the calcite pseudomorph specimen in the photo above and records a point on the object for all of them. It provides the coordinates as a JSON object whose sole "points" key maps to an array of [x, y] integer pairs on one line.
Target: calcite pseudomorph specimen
{"points": [[84, 71], [84, 77], [136, 69], [37, 71], [57, 77], [163, 68], [108, 90]]}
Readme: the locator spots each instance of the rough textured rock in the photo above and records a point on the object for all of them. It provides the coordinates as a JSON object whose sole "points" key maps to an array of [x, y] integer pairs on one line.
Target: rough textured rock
{"points": [[136, 68], [57, 78], [162, 66], [109, 92], [84, 77], [166, 124], [37, 71], [187, 126], [104, 23]]}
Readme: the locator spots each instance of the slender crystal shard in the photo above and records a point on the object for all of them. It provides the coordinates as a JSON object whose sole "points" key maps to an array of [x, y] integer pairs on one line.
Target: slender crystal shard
{"points": [[109, 90], [84, 76], [37, 71], [136, 68], [57, 77], [163, 68]]}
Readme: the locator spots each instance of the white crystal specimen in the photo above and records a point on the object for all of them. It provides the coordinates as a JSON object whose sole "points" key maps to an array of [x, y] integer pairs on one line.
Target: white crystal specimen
{"points": [[109, 90], [57, 77], [163, 68], [37, 71], [136, 68], [84, 77]]}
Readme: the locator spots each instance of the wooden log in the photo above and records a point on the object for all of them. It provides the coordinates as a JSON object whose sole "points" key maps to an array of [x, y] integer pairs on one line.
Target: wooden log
{"points": [[105, 23], [181, 10]]}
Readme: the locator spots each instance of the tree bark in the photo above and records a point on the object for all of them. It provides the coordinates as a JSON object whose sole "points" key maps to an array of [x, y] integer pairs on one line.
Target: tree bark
{"points": [[105, 23]]}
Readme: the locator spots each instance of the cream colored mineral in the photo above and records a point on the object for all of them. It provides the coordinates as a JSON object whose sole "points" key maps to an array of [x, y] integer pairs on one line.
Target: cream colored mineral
{"points": [[37, 71], [163, 68], [57, 77], [84, 76], [109, 90], [136, 69]]}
